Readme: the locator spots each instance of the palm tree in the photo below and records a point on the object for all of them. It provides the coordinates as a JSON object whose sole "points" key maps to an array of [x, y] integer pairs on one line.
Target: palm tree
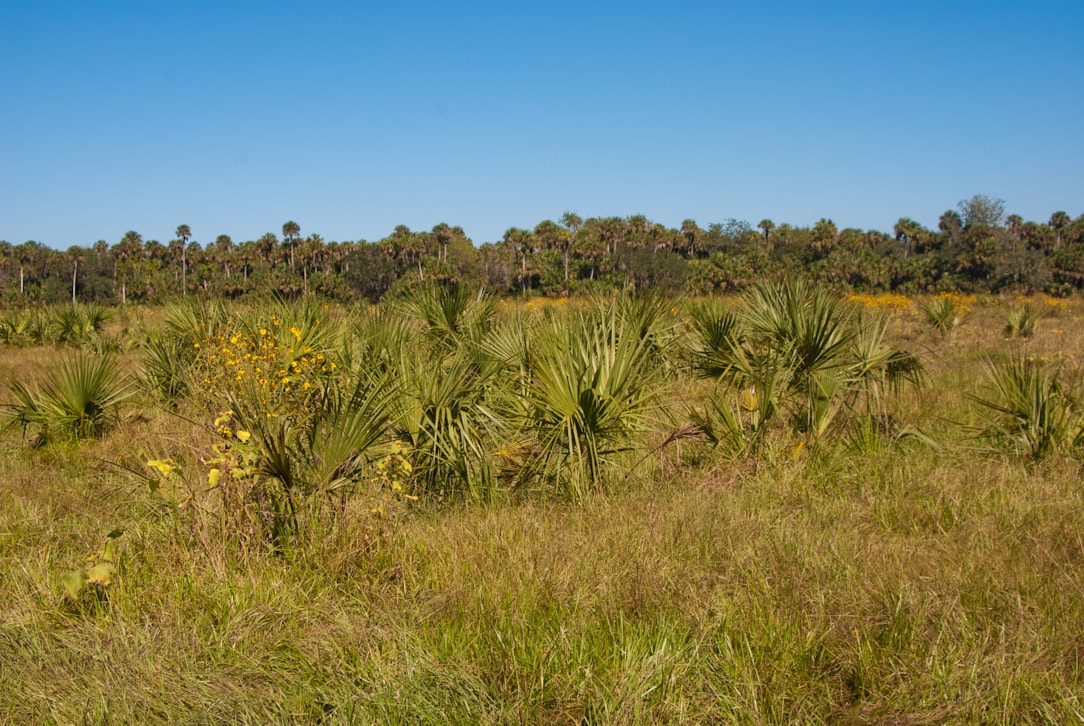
{"points": [[767, 226], [290, 232], [247, 252], [912, 234], [28, 253], [75, 253], [224, 247], [129, 247], [950, 224], [522, 241], [691, 231], [183, 233], [312, 247], [443, 235], [573, 223], [592, 389], [266, 246], [1058, 221]]}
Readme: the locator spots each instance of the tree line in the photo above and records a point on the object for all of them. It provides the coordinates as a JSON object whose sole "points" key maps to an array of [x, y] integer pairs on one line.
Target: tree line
{"points": [[975, 248]]}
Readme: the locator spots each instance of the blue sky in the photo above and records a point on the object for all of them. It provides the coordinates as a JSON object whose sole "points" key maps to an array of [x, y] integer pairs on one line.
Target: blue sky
{"points": [[351, 118]]}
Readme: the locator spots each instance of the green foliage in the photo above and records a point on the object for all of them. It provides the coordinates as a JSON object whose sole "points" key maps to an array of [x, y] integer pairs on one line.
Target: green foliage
{"points": [[167, 361], [717, 333], [21, 328], [1035, 415], [451, 312], [590, 390], [1022, 321], [737, 422], [80, 399], [300, 425], [946, 311], [283, 463], [446, 424], [168, 354], [794, 349], [877, 369], [77, 325], [88, 586], [193, 320], [281, 549]]}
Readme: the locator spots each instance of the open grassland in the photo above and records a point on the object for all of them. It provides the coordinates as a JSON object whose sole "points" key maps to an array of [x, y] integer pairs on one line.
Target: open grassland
{"points": [[860, 553]]}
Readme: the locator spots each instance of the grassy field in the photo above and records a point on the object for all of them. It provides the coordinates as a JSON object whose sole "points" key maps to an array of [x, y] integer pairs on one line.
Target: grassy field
{"points": [[860, 555]]}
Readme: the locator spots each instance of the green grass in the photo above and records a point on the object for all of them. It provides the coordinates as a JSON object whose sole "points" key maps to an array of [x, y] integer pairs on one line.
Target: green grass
{"points": [[902, 584]]}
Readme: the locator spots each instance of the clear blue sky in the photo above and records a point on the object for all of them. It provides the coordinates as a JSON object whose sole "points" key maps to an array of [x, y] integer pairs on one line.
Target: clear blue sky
{"points": [[353, 117]]}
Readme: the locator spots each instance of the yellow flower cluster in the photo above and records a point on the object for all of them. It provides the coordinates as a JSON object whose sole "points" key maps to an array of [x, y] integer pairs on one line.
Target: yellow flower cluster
{"points": [[885, 301], [271, 361], [961, 304], [1052, 305]]}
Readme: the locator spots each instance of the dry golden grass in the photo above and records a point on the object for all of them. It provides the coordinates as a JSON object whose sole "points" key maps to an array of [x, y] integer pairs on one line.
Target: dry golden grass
{"points": [[903, 584]]}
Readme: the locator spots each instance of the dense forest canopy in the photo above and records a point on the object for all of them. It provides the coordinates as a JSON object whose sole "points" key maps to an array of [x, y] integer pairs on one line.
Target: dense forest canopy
{"points": [[975, 248]]}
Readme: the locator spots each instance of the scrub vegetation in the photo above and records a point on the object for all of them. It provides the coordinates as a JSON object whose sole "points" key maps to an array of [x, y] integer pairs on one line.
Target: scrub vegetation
{"points": [[976, 248], [778, 506]]}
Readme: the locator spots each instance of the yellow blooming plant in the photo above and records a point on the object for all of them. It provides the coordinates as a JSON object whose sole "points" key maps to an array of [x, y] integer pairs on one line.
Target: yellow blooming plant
{"points": [[270, 367], [290, 422], [948, 310], [885, 301], [262, 376]]}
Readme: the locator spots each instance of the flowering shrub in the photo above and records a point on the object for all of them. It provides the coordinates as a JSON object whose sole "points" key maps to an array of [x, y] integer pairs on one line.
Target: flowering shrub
{"points": [[272, 368], [288, 421]]}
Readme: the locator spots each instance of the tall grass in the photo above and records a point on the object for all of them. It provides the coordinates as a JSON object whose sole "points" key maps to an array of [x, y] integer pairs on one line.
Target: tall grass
{"points": [[890, 583]]}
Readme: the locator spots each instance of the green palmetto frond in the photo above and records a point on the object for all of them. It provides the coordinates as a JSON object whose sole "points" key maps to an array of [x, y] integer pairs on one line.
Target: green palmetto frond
{"points": [[1035, 415], [378, 338], [590, 392], [66, 325], [80, 399], [877, 367], [451, 312], [350, 425], [446, 422], [717, 334], [1021, 322], [801, 348], [193, 320], [166, 364], [815, 324]]}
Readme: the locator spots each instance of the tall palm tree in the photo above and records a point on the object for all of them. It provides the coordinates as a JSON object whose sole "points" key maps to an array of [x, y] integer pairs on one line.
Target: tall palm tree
{"points": [[247, 252], [312, 247], [125, 251], [266, 246], [573, 223], [75, 253], [522, 241], [443, 235], [290, 232], [692, 233], [224, 248], [183, 233], [28, 253], [766, 226], [1058, 221]]}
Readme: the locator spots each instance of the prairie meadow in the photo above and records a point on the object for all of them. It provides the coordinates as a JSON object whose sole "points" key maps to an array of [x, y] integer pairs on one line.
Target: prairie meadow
{"points": [[782, 506]]}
